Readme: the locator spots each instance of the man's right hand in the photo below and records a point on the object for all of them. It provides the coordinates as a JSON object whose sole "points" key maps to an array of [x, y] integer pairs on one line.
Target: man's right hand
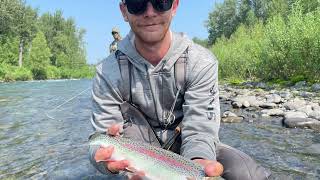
{"points": [[104, 153]]}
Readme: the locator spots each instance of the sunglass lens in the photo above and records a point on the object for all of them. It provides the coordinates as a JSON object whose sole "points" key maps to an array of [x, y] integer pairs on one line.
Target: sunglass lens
{"points": [[136, 6], [162, 5]]}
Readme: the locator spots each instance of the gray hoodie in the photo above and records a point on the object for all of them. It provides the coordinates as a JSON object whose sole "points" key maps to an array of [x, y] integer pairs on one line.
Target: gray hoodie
{"points": [[154, 91]]}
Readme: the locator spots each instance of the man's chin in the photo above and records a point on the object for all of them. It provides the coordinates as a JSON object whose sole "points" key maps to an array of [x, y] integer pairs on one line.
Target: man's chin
{"points": [[152, 37]]}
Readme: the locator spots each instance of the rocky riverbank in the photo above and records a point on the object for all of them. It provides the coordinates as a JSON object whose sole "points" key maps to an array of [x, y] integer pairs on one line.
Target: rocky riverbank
{"points": [[295, 107]]}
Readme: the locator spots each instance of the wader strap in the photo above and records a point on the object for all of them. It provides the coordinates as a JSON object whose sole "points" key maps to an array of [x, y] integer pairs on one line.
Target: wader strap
{"points": [[180, 71], [125, 70]]}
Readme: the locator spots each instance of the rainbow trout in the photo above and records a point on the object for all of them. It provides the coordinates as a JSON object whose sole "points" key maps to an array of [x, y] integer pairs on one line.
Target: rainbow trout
{"points": [[157, 163]]}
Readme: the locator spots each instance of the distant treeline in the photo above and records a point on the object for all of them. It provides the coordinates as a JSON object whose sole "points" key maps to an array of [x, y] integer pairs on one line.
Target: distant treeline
{"points": [[39, 47], [271, 40]]}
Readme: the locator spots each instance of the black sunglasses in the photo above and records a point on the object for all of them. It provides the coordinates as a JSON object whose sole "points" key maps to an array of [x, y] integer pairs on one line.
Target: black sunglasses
{"points": [[139, 6]]}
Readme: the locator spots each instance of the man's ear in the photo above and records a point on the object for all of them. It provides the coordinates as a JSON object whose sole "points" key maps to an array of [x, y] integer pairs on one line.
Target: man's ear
{"points": [[175, 7], [124, 11]]}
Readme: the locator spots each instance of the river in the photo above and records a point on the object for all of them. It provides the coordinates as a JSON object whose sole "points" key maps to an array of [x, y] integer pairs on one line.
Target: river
{"points": [[44, 126]]}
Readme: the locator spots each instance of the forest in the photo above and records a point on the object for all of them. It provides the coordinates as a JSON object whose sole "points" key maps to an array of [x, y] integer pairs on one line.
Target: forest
{"points": [[34, 47], [266, 40]]}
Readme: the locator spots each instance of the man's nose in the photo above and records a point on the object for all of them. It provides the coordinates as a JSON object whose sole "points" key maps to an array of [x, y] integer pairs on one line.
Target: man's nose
{"points": [[150, 11]]}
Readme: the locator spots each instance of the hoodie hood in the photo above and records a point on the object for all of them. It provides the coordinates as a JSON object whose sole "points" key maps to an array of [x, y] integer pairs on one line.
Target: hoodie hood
{"points": [[180, 42]]}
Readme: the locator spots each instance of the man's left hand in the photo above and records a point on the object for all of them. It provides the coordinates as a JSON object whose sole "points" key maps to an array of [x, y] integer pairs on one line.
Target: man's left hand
{"points": [[211, 168]]}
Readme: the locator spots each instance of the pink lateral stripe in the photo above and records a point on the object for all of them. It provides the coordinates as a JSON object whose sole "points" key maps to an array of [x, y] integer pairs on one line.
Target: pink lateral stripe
{"points": [[158, 157]]}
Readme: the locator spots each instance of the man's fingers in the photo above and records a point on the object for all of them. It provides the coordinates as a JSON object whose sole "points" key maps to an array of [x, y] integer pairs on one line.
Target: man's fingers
{"points": [[211, 168], [117, 166], [103, 153], [114, 130]]}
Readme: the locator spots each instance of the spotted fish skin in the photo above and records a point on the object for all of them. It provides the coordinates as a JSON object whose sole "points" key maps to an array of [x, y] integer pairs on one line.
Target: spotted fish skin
{"points": [[157, 163]]}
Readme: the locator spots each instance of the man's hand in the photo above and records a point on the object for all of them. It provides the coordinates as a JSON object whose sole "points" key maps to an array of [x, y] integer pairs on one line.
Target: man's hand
{"points": [[104, 154], [211, 168]]}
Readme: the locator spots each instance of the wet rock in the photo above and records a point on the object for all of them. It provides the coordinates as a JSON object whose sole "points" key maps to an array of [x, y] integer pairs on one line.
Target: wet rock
{"points": [[243, 92], [251, 99], [273, 98], [246, 104], [300, 85], [315, 106], [292, 114], [294, 104], [268, 105], [302, 123], [236, 104], [272, 112], [315, 87], [305, 94], [315, 115], [232, 119], [306, 109], [285, 94], [229, 114]]}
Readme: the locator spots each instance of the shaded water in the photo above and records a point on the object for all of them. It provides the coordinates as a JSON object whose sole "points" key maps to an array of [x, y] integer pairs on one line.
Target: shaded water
{"points": [[35, 146]]}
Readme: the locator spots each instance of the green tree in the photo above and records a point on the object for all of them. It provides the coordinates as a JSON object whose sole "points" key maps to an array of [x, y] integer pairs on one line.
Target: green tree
{"points": [[64, 40], [222, 20], [39, 56]]}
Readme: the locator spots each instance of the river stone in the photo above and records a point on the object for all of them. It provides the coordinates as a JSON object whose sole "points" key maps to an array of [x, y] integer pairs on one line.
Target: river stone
{"points": [[272, 112], [273, 98], [285, 94], [232, 119], [292, 114], [306, 109], [302, 123], [268, 105], [305, 94], [315, 107], [300, 85], [315, 87], [229, 114], [315, 115], [294, 104], [246, 104], [251, 99], [236, 104]]}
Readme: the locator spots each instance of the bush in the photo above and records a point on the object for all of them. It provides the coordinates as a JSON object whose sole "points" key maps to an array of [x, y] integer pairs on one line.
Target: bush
{"points": [[13, 73], [239, 56], [283, 49], [53, 72], [22, 74], [39, 73]]}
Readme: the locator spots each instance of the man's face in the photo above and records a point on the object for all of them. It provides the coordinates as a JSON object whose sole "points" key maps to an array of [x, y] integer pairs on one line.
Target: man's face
{"points": [[115, 35], [151, 26]]}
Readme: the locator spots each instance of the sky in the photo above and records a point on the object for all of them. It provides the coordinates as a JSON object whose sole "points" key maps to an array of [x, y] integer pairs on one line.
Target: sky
{"points": [[98, 17]]}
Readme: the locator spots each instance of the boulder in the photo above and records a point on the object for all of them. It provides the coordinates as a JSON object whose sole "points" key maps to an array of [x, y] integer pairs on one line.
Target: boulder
{"points": [[302, 123], [292, 114], [272, 112], [232, 119]]}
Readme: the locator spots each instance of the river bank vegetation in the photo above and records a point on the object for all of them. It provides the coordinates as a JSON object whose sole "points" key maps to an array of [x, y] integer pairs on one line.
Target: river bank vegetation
{"points": [[275, 41], [34, 47]]}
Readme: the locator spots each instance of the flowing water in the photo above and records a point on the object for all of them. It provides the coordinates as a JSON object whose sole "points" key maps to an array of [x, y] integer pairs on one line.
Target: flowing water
{"points": [[44, 128]]}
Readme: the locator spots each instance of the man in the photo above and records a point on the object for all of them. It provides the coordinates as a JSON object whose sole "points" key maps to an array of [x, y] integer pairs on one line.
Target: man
{"points": [[117, 37], [144, 73]]}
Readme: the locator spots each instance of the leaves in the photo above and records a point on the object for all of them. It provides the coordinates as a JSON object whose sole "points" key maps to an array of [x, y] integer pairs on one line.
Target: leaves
{"points": [[48, 45]]}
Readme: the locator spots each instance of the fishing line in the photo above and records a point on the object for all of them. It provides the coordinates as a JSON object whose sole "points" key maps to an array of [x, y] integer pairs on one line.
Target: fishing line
{"points": [[57, 107]]}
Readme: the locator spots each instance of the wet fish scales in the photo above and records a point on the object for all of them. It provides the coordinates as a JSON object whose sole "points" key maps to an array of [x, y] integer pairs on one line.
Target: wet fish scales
{"points": [[157, 163]]}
